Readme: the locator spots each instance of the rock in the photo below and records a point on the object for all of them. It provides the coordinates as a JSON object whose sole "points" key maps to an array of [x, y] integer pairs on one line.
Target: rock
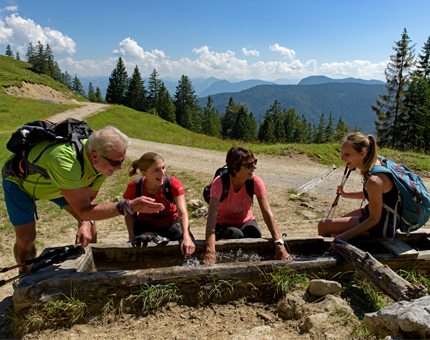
{"points": [[256, 333], [405, 319], [332, 304], [117, 199], [48, 101], [306, 205], [308, 214], [313, 321], [203, 211], [291, 306], [323, 287], [195, 204]]}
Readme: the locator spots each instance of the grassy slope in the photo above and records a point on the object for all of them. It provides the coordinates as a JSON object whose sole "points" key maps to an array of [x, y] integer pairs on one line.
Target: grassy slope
{"points": [[16, 111]]}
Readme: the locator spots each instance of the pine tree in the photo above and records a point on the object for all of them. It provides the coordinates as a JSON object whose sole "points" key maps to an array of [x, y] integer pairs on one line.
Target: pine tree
{"points": [[291, 126], [389, 107], [329, 129], [41, 64], [278, 117], [9, 52], [423, 66], [186, 104], [117, 86], [77, 86], [91, 93], [66, 79], [211, 125], [318, 137], [244, 126], [229, 118], [417, 102], [135, 97], [266, 133], [165, 105], [341, 130], [153, 89], [52, 69], [17, 56], [99, 98], [31, 54]]}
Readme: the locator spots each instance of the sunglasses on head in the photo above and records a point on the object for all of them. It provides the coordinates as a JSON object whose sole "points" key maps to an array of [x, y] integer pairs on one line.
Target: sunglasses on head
{"points": [[249, 165], [114, 163]]}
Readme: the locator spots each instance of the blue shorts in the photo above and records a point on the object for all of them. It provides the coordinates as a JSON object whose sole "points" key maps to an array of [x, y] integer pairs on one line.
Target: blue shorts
{"points": [[20, 206]]}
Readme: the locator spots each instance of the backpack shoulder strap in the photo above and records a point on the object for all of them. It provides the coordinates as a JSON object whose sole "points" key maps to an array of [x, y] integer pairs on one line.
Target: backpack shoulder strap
{"points": [[138, 186], [167, 188], [225, 178], [250, 188]]}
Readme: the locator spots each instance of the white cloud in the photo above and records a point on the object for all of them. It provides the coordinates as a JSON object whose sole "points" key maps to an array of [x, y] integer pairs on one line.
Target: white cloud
{"points": [[5, 33], [223, 65], [9, 9], [250, 52], [283, 51], [129, 47], [22, 31]]}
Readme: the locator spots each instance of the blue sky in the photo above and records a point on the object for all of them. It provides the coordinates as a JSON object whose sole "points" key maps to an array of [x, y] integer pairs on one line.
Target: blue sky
{"points": [[227, 39]]}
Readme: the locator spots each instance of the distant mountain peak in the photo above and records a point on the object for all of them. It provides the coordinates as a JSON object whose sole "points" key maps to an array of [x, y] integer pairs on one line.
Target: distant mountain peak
{"points": [[318, 80]]}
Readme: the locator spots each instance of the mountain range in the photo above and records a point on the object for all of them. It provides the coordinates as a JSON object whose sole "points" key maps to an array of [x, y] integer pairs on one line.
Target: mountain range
{"points": [[349, 98], [350, 101]]}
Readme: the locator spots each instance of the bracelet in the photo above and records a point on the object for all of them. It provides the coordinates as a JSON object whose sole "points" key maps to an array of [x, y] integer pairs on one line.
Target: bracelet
{"points": [[280, 241], [91, 222], [124, 207]]}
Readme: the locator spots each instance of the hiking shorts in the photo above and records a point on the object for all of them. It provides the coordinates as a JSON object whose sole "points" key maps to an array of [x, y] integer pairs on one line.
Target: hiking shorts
{"points": [[378, 229], [249, 229], [19, 204]]}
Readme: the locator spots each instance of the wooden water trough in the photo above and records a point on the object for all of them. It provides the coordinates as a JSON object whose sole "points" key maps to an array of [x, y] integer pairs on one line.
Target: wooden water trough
{"points": [[121, 269]]}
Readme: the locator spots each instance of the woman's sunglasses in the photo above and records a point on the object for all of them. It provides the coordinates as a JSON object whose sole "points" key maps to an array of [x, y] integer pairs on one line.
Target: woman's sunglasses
{"points": [[249, 165], [114, 163]]}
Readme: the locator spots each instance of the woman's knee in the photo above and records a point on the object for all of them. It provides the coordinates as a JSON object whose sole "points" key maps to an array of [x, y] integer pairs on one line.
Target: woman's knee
{"points": [[322, 228]]}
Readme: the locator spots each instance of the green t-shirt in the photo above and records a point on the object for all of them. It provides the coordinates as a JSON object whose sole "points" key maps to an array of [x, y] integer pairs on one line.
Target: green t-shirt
{"points": [[64, 171]]}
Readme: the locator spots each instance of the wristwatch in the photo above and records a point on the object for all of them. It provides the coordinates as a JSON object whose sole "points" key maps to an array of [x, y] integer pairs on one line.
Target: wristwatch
{"points": [[280, 241]]}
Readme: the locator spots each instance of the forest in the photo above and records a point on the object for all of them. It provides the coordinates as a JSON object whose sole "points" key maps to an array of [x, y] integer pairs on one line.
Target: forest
{"points": [[402, 111]]}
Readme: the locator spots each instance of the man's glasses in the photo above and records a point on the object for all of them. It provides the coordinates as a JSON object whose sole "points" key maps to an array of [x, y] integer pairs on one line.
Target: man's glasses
{"points": [[249, 165], [114, 163]]}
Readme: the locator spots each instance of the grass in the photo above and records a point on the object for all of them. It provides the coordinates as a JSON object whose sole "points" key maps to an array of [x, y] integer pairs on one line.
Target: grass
{"points": [[282, 281]]}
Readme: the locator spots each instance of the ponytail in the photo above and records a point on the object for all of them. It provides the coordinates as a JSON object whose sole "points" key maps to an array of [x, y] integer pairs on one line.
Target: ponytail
{"points": [[132, 169]]}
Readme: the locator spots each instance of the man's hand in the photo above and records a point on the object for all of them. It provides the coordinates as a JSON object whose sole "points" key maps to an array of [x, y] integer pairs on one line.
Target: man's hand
{"points": [[83, 236], [187, 247], [210, 258], [146, 205], [281, 253]]}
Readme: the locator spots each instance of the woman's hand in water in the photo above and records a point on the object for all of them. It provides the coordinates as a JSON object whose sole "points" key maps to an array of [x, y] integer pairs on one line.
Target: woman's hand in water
{"points": [[281, 253], [187, 247], [209, 259]]}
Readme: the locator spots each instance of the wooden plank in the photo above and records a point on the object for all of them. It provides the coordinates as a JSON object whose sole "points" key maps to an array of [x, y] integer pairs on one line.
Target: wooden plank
{"points": [[398, 247]]}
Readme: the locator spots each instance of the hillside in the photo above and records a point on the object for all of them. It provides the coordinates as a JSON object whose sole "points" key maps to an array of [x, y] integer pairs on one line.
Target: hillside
{"points": [[351, 101]]}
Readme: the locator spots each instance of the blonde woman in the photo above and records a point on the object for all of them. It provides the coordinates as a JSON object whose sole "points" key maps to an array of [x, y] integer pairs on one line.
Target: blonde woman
{"points": [[360, 151], [172, 222]]}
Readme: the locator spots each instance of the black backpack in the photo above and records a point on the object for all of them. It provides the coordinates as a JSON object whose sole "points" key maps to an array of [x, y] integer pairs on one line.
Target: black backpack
{"points": [[167, 187], [32, 133], [223, 172]]}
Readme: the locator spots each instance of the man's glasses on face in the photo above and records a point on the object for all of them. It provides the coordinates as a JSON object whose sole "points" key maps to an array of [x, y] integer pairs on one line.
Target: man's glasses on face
{"points": [[250, 165], [114, 163]]}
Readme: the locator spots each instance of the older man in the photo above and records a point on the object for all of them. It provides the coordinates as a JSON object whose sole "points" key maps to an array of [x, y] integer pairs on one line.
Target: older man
{"points": [[70, 187]]}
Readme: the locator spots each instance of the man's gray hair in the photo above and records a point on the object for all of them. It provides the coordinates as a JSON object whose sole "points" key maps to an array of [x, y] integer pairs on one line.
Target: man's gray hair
{"points": [[107, 139]]}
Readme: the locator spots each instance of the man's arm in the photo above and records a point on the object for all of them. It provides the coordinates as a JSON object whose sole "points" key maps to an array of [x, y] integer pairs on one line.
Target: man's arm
{"points": [[81, 202]]}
